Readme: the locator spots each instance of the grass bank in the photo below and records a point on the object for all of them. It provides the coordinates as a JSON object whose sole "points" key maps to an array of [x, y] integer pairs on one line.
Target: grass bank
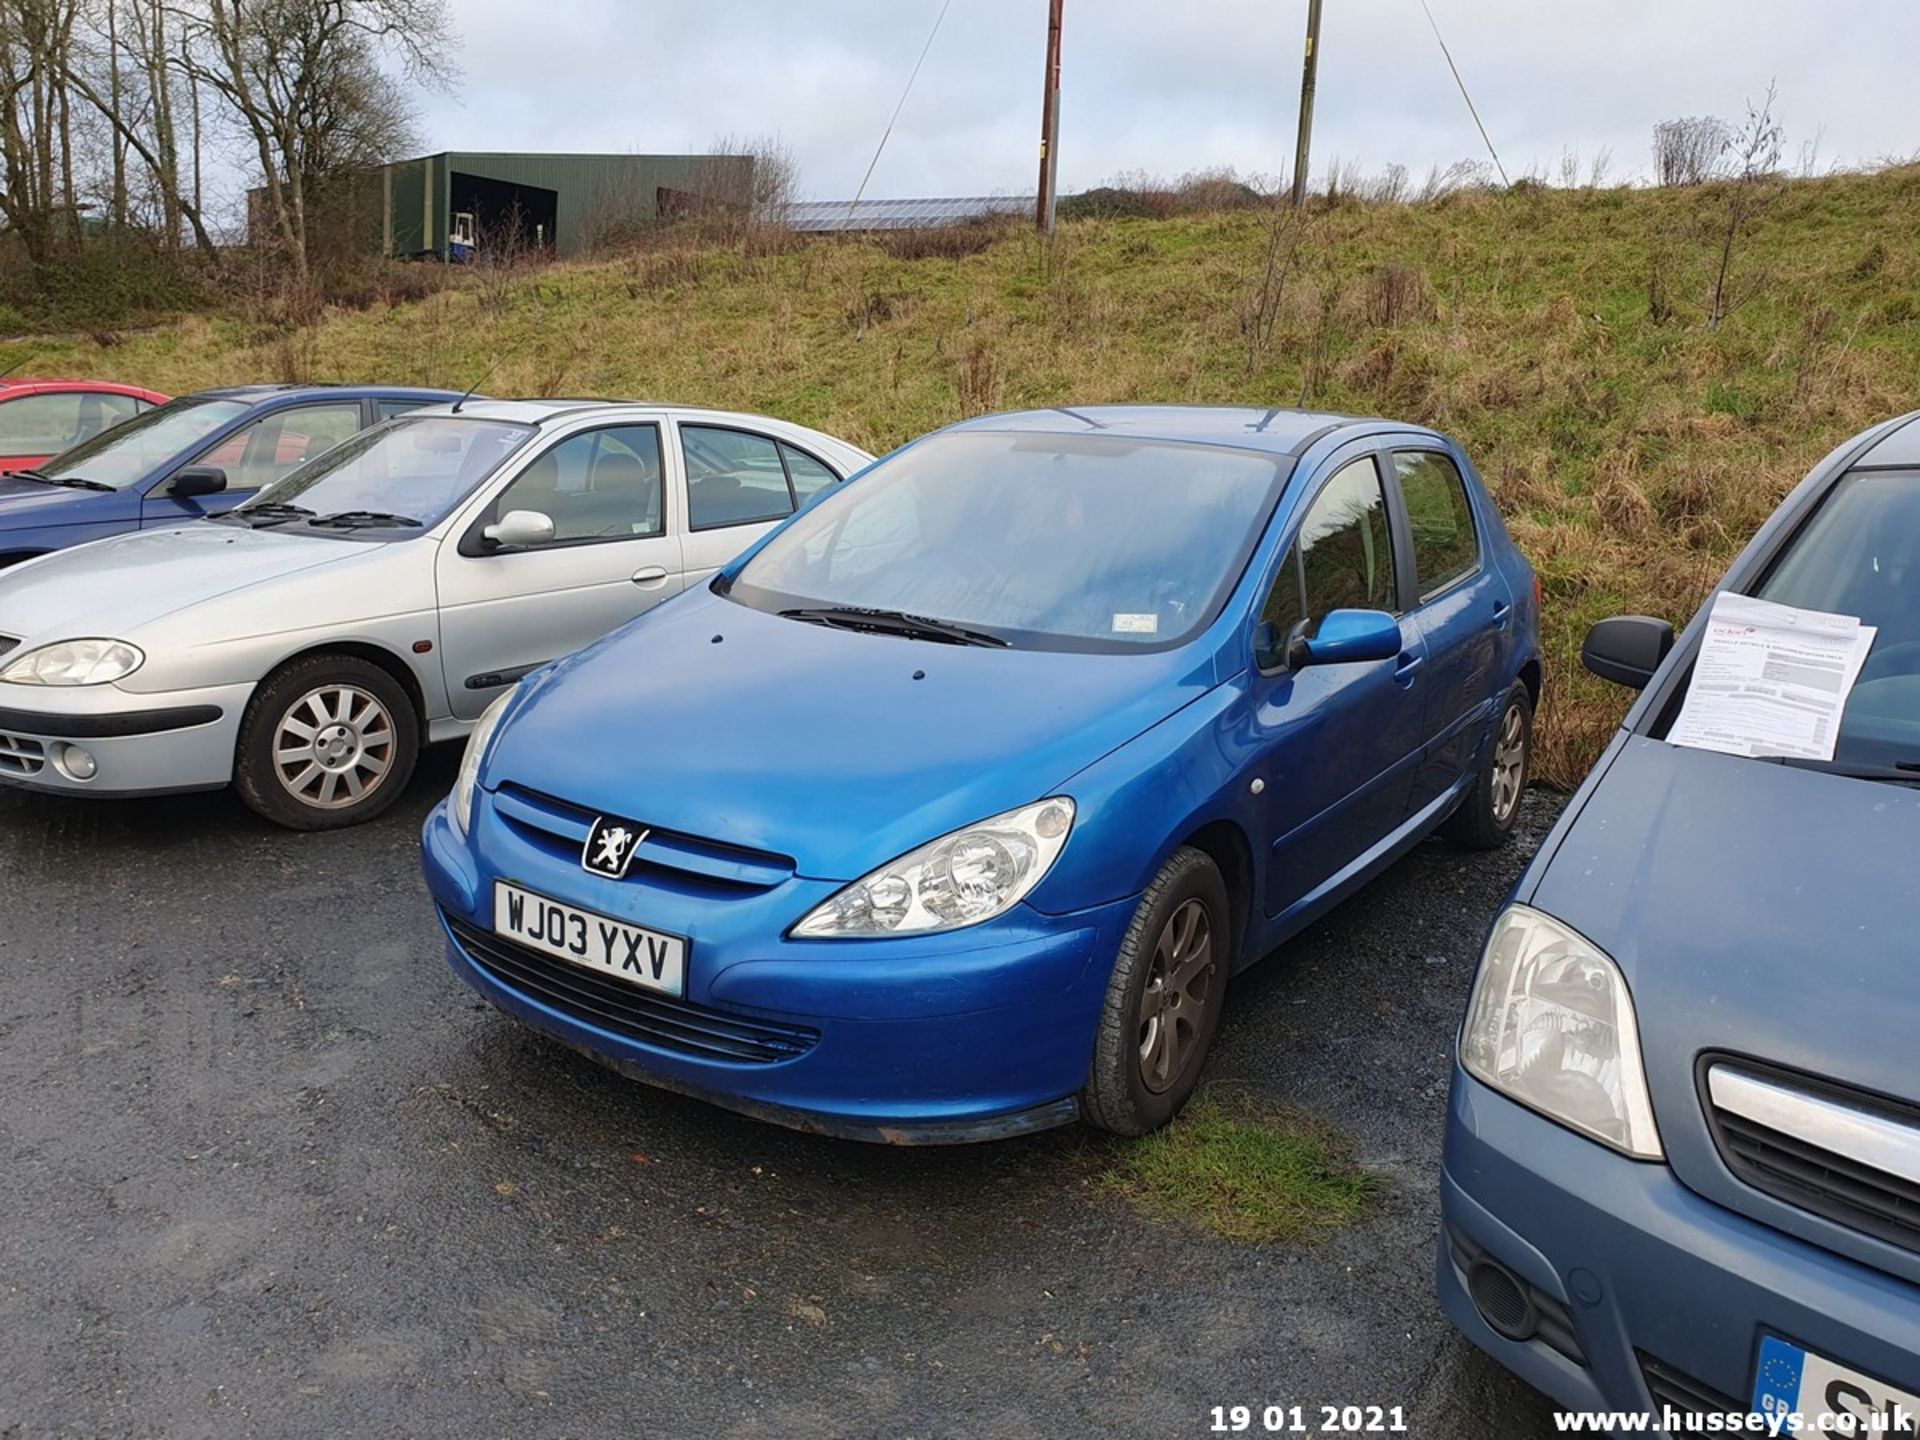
{"points": [[1561, 335]]}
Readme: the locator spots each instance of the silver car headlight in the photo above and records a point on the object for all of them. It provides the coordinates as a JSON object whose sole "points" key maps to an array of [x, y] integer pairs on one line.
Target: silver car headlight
{"points": [[1551, 1025], [958, 880], [75, 662], [460, 811]]}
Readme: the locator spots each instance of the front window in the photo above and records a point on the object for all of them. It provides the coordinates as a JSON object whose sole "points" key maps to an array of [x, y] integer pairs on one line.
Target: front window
{"points": [[256, 455], [1860, 555], [134, 449], [406, 474], [1096, 543], [1343, 557], [48, 423]]}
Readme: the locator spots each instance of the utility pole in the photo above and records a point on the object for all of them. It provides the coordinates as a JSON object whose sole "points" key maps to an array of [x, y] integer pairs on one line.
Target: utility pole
{"points": [[1050, 122], [1312, 65]]}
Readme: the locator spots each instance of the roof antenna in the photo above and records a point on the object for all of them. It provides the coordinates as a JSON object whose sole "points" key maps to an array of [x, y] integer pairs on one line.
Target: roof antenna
{"points": [[499, 360], [16, 365]]}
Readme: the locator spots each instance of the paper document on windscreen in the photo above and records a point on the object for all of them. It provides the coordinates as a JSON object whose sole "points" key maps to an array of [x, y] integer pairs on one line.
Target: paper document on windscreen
{"points": [[1771, 679]]}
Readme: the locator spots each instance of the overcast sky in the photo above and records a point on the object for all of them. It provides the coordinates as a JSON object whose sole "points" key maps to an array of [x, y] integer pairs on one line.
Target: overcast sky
{"points": [[1166, 86]]}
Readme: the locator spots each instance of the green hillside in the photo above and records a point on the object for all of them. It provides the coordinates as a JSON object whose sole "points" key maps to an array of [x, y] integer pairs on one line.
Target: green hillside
{"points": [[1561, 335]]}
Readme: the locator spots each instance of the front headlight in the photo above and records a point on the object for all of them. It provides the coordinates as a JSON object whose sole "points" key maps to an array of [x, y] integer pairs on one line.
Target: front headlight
{"points": [[460, 811], [75, 662], [956, 881], [1551, 1025]]}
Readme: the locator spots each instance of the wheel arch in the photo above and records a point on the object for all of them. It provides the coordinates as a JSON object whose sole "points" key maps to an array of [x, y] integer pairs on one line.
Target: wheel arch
{"points": [[1225, 843], [379, 655], [1531, 676]]}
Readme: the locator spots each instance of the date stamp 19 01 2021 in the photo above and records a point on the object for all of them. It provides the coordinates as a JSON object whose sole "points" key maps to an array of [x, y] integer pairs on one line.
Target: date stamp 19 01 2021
{"points": [[1308, 1420]]}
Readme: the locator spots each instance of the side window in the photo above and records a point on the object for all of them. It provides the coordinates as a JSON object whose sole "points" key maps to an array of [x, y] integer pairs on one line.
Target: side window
{"points": [[598, 485], [103, 412], [42, 424], [1343, 556], [390, 408], [256, 455], [1444, 544], [733, 478], [808, 475]]}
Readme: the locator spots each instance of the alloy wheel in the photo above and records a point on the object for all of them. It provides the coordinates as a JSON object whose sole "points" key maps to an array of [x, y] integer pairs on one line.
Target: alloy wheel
{"points": [[333, 747], [1509, 764], [1180, 987]]}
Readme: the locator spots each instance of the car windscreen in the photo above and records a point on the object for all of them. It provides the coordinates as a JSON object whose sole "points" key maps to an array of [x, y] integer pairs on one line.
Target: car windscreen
{"points": [[1095, 543], [404, 474], [134, 449], [1859, 555]]}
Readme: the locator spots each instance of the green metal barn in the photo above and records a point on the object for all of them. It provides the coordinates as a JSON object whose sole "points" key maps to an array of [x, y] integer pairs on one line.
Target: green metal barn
{"points": [[558, 203]]}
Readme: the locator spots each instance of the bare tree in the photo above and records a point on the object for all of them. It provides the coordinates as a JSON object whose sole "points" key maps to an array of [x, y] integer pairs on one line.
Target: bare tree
{"points": [[36, 125], [1756, 182], [304, 80], [1688, 151]]}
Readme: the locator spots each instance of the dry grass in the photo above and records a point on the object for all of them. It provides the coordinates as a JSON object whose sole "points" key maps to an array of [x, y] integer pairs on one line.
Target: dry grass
{"points": [[1631, 449]]}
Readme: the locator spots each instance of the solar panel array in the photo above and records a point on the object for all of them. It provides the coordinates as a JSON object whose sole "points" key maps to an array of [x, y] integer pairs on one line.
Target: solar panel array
{"points": [[816, 216]]}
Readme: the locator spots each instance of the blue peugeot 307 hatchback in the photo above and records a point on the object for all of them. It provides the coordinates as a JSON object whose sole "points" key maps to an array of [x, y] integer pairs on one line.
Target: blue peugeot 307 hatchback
{"points": [[947, 810], [196, 456], [1682, 1165]]}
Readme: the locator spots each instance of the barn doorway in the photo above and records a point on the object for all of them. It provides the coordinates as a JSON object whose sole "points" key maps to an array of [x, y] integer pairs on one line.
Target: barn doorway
{"points": [[510, 220]]}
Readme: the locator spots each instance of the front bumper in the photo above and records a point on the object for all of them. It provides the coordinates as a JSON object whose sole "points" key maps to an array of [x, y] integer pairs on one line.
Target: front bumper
{"points": [[973, 1035], [138, 744], [1666, 1294]]}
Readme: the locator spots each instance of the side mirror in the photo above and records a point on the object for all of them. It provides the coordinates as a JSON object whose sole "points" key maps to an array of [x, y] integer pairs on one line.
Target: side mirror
{"points": [[520, 530], [197, 480], [1347, 637], [1627, 649]]}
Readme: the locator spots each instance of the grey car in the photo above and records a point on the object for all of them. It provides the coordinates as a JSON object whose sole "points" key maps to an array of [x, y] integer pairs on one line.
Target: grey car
{"points": [[305, 646]]}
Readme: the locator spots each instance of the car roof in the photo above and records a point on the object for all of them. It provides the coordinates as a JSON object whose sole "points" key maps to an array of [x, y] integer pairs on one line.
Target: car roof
{"points": [[257, 394], [1287, 432], [32, 383], [535, 412], [1898, 449]]}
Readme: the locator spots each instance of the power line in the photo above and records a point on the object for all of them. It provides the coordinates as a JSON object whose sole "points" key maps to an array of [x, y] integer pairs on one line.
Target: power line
{"points": [[908, 90], [1471, 110]]}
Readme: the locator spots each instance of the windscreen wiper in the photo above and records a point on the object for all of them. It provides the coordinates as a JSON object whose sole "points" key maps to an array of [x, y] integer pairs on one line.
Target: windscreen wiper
{"points": [[364, 520], [894, 622], [271, 512], [72, 482], [1901, 772]]}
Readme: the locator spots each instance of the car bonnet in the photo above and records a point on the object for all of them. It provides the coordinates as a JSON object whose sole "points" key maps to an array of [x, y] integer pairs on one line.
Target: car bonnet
{"points": [[835, 749], [114, 587]]}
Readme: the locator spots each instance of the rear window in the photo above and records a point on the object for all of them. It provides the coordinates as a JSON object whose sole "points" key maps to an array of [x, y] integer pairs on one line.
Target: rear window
{"points": [[1445, 547]]}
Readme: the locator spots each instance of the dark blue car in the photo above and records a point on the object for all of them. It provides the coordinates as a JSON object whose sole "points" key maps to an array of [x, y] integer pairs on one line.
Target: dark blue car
{"points": [[948, 809], [192, 457], [1683, 1156]]}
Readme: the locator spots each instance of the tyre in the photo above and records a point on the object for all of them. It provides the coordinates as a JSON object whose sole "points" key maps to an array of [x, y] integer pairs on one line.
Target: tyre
{"points": [[1488, 812], [1164, 1000], [326, 742]]}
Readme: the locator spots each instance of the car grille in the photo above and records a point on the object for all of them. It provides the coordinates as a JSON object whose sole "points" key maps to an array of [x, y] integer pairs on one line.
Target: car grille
{"points": [[21, 755], [560, 827], [1845, 1156], [661, 1021], [1674, 1389]]}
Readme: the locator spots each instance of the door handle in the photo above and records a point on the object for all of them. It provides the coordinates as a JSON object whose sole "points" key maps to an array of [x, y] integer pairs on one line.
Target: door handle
{"points": [[650, 576], [1501, 612], [1409, 666]]}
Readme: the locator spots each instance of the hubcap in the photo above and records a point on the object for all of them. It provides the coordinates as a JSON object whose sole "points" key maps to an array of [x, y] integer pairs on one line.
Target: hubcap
{"points": [[1180, 987], [1509, 764], [333, 746]]}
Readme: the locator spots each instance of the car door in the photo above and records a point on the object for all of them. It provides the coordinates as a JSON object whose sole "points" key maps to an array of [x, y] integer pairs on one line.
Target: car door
{"points": [[614, 553], [1462, 612], [739, 484], [256, 454], [1336, 744]]}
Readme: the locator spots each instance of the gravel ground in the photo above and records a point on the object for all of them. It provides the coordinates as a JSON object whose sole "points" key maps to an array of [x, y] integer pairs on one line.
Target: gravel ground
{"points": [[271, 1170]]}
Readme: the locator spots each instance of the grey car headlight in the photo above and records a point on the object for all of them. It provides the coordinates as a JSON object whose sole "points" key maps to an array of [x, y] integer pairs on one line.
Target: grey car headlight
{"points": [[1552, 1026], [75, 662], [959, 880], [460, 811]]}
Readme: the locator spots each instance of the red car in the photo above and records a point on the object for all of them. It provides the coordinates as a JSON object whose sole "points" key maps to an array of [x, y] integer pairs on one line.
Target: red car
{"points": [[40, 418]]}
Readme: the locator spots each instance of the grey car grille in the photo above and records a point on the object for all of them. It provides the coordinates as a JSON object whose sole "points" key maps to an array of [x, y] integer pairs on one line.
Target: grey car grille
{"points": [[21, 755], [1846, 1156]]}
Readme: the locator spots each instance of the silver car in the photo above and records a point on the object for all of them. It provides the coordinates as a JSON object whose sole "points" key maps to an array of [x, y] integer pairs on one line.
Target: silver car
{"points": [[304, 647]]}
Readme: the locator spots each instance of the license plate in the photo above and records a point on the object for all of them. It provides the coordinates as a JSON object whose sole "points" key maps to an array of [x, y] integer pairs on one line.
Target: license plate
{"points": [[1794, 1381], [639, 956]]}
